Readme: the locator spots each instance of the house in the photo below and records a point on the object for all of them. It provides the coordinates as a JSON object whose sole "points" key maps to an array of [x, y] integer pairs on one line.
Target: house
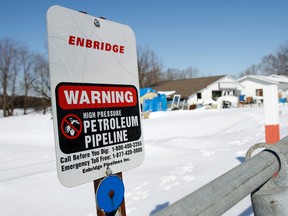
{"points": [[254, 84], [194, 90]]}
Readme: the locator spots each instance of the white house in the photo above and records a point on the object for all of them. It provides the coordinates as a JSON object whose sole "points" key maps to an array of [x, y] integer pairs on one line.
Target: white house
{"points": [[202, 89], [254, 84]]}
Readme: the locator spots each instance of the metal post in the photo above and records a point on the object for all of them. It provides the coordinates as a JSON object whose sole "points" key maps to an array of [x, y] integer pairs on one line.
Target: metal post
{"points": [[271, 198], [216, 197], [122, 209]]}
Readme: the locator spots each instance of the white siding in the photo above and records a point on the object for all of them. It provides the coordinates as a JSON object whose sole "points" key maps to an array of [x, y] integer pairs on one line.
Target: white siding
{"points": [[250, 88], [192, 100], [207, 92]]}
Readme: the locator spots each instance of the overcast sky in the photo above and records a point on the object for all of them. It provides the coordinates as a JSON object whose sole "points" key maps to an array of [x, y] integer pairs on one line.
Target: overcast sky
{"points": [[218, 37]]}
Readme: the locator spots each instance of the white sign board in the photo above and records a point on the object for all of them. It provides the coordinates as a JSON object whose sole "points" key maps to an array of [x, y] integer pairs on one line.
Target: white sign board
{"points": [[95, 99]]}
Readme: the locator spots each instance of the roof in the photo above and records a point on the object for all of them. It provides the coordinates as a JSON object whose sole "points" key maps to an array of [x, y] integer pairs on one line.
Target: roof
{"points": [[272, 79], [279, 78], [186, 87]]}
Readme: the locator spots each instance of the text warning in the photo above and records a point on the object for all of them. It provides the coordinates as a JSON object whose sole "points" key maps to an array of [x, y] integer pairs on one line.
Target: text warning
{"points": [[93, 116]]}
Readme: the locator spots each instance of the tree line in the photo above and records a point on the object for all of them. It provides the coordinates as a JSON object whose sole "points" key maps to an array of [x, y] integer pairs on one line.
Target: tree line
{"points": [[151, 69], [276, 63], [24, 77], [24, 74]]}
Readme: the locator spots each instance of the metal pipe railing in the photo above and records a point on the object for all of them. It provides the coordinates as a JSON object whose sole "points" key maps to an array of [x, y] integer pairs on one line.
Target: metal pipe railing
{"points": [[218, 196]]}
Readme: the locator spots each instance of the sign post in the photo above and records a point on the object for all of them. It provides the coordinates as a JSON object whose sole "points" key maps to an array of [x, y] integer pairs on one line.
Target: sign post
{"points": [[121, 210], [271, 112], [95, 97]]}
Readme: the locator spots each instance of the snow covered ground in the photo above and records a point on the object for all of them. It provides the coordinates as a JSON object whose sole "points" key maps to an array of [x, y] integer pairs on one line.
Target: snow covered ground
{"points": [[184, 150]]}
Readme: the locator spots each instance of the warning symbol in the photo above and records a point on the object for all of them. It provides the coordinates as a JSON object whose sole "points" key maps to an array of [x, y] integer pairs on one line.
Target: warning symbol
{"points": [[71, 126]]}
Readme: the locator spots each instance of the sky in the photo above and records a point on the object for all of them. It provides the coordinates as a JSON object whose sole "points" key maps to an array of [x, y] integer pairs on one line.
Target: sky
{"points": [[221, 37]]}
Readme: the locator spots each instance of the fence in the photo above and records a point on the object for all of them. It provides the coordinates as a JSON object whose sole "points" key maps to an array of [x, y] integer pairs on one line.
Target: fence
{"points": [[255, 176]]}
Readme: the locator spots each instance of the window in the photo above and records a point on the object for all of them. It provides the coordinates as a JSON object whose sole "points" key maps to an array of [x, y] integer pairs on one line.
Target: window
{"points": [[216, 94], [259, 92], [199, 95]]}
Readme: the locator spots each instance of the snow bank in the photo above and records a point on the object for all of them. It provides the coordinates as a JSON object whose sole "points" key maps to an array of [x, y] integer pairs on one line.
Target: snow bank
{"points": [[184, 150]]}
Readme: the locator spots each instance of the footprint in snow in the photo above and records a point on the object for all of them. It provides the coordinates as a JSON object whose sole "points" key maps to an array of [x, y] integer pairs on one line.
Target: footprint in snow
{"points": [[176, 176], [138, 193]]}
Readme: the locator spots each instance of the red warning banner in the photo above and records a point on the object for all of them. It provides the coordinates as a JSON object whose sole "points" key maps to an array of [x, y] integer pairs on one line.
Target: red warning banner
{"points": [[99, 96]]}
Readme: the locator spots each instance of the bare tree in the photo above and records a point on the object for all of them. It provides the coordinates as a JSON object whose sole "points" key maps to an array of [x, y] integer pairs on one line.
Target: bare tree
{"points": [[191, 72], [269, 65], [172, 74], [9, 50], [283, 58], [276, 64], [176, 74], [41, 84], [149, 67], [27, 62], [251, 70]]}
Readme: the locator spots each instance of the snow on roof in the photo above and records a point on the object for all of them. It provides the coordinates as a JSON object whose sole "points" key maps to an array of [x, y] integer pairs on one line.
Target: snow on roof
{"points": [[167, 93], [274, 79], [279, 78]]}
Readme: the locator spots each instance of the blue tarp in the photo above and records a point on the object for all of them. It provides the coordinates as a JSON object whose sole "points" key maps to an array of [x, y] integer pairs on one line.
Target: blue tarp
{"points": [[144, 91], [242, 98], [156, 104], [282, 100]]}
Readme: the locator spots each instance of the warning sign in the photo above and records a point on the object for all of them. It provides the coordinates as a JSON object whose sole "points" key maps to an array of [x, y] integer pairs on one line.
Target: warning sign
{"points": [[95, 96], [92, 116]]}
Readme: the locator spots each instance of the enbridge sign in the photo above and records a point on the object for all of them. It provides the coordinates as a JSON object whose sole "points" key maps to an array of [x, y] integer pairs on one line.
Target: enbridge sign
{"points": [[95, 99]]}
